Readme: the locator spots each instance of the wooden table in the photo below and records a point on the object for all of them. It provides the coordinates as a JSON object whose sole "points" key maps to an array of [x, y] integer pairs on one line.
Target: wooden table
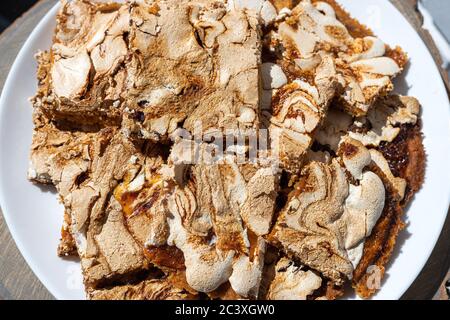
{"points": [[17, 281]]}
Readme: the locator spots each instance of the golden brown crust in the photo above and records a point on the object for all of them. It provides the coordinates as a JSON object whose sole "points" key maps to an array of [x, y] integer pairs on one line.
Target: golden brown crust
{"points": [[380, 245], [415, 171]]}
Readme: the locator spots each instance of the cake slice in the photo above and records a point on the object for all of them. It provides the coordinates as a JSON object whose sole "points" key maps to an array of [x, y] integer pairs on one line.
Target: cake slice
{"points": [[195, 65], [392, 131], [107, 250], [86, 169], [344, 214], [301, 37], [210, 226], [114, 62], [330, 212], [85, 77]]}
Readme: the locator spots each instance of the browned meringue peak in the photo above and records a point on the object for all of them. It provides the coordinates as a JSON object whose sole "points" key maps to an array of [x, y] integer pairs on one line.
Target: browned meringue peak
{"points": [[381, 125], [365, 73], [296, 110], [292, 283], [105, 243], [194, 63], [329, 215], [366, 199], [86, 169], [85, 79]]}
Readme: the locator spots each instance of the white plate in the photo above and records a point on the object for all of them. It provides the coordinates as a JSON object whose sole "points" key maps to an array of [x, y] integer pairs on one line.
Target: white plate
{"points": [[34, 215]]}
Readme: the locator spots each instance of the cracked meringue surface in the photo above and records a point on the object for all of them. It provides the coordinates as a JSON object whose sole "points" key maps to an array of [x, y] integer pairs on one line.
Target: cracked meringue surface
{"points": [[365, 65], [153, 215], [192, 65], [331, 211]]}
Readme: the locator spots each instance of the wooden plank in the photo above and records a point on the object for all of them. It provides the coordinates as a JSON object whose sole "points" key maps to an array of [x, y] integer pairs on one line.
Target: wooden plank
{"points": [[17, 280]]}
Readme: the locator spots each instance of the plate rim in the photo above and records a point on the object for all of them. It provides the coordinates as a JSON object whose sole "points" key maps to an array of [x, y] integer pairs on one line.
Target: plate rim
{"points": [[28, 257]]}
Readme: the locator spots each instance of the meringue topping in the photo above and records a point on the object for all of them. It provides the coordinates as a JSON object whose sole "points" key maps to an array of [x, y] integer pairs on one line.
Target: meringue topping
{"points": [[365, 72], [292, 283], [328, 216]]}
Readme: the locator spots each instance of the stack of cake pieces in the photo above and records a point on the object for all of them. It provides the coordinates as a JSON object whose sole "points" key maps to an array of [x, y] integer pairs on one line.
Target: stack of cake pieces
{"points": [[153, 212]]}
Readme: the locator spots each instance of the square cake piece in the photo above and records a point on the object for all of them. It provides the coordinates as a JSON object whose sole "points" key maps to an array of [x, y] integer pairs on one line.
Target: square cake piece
{"points": [[365, 66], [195, 65], [392, 133], [85, 168], [350, 197], [210, 225], [83, 78]]}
